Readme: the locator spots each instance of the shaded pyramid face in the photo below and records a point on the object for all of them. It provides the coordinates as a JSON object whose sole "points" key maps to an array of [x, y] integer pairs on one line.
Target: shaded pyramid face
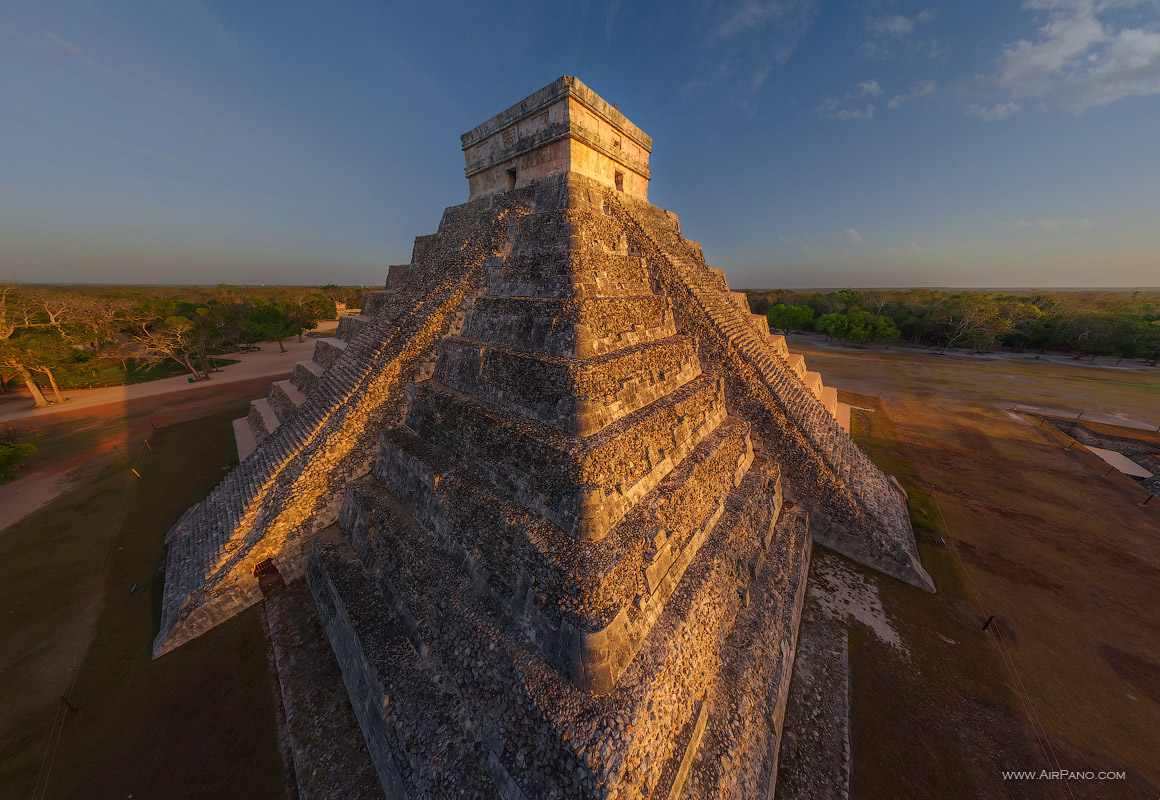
{"points": [[582, 426], [567, 528]]}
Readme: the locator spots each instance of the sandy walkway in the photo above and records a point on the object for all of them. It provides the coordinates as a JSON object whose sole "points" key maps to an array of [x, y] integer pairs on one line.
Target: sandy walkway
{"points": [[268, 362], [27, 494]]}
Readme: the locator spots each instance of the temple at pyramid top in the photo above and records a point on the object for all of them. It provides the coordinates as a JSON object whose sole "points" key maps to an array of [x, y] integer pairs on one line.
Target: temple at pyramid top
{"points": [[564, 127]]}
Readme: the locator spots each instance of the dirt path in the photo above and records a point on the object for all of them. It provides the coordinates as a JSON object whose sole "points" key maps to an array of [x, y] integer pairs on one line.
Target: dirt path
{"points": [[141, 407], [21, 497], [69, 440], [266, 363]]}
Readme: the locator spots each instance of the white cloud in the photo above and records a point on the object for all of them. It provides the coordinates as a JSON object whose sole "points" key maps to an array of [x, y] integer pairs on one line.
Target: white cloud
{"points": [[895, 25], [851, 236], [855, 113], [993, 113], [894, 37], [744, 41], [832, 109], [1049, 225], [921, 90], [51, 41], [835, 108], [1079, 59]]}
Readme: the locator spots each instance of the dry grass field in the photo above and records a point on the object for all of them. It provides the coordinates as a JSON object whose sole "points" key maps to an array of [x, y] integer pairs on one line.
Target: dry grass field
{"points": [[1011, 524], [198, 723]]}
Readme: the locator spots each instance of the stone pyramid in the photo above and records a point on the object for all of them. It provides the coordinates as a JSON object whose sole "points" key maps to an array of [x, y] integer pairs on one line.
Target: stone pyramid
{"points": [[553, 491]]}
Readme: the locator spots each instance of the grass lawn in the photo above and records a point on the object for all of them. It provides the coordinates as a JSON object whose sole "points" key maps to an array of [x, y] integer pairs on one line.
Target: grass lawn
{"points": [[199, 722]]}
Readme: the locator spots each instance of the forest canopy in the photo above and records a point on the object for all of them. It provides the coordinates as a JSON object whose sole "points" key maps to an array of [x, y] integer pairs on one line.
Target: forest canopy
{"points": [[54, 338], [1093, 323]]}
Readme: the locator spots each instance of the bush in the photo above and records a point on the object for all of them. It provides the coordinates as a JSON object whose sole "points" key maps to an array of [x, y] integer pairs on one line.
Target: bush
{"points": [[11, 454]]}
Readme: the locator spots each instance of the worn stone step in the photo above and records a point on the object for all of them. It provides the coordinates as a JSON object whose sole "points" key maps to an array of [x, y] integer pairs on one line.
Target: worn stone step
{"points": [[680, 652], [579, 327], [797, 364], [813, 382], [740, 300], [351, 325], [376, 302], [244, 438], [306, 376], [418, 746], [327, 351], [580, 396], [829, 399], [284, 398], [263, 421], [567, 274], [547, 583], [583, 484], [760, 323]]}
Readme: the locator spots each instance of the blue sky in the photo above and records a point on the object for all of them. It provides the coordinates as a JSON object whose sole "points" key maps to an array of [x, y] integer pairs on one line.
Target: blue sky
{"points": [[804, 143]]}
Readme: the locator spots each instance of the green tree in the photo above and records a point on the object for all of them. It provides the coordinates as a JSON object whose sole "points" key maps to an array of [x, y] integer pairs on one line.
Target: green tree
{"points": [[270, 324], [786, 318], [862, 327], [833, 325], [172, 338]]}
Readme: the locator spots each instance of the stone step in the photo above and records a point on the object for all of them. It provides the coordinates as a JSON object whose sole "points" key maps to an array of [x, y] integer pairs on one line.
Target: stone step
{"points": [[760, 323], [534, 719], [417, 744], [244, 438], [813, 382], [584, 485], [746, 704], [777, 343], [376, 302], [327, 351], [284, 398], [397, 274], [497, 539], [797, 364], [306, 376], [580, 396], [829, 400], [351, 325], [567, 274], [263, 421], [579, 327], [740, 301]]}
